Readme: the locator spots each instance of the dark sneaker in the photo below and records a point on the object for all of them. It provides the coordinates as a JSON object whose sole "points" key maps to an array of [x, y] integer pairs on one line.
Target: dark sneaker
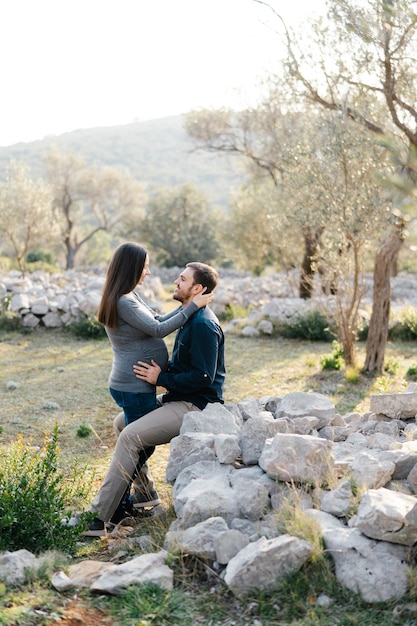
{"points": [[143, 500], [120, 514], [96, 528]]}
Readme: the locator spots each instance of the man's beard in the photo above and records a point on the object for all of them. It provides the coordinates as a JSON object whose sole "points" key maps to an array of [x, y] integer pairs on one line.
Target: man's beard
{"points": [[181, 297]]}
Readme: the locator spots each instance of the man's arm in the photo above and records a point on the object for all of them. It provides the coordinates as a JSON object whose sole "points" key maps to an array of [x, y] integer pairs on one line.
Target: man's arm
{"points": [[196, 373], [196, 366]]}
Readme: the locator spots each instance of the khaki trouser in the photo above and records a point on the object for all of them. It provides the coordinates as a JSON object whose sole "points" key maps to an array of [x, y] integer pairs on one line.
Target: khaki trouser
{"points": [[143, 482], [153, 429]]}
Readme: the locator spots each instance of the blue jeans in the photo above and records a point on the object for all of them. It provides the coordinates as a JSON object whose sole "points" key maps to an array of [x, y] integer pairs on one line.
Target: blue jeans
{"points": [[134, 405]]}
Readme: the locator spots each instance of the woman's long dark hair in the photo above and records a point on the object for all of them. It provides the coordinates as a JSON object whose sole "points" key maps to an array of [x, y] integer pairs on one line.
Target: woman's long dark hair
{"points": [[123, 274]]}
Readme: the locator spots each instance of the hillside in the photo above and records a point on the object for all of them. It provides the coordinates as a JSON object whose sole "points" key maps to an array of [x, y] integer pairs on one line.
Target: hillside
{"points": [[157, 152]]}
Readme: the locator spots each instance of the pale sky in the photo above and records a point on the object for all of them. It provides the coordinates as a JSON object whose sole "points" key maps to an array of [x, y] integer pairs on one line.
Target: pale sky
{"points": [[69, 64]]}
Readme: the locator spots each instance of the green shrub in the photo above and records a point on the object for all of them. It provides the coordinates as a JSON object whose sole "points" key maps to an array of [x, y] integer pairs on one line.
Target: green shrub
{"points": [[335, 360], [9, 321], [84, 431], [313, 326], [391, 366], [88, 327], [362, 332], [412, 372], [34, 495], [42, 260], [405, 328], [383, 384], [352, 375], [232, 312], [41, 255]]}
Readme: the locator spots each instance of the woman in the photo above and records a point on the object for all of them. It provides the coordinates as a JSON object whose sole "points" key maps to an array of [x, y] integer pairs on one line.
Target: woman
{"points": [[135, 332]]}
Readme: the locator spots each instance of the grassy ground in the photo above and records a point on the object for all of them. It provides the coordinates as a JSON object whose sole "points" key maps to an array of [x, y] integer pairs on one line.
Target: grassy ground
{"points": [[60, 379]]}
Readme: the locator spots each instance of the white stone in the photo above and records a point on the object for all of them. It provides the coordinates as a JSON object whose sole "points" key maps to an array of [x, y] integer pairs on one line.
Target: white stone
{"points": [[227, 448], [52, 320], [299, 458], [30, 321], [388, 516], [262, 564], [146, 568], [19, 301]]}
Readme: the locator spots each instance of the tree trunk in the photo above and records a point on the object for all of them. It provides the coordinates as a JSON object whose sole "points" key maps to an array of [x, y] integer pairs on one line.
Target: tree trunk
{"points": [[348, 299], [71, 251], [378, 326], [311, 245]]}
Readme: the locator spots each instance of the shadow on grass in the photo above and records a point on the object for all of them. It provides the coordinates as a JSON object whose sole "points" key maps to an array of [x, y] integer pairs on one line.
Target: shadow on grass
{"points": [[347, 396]]}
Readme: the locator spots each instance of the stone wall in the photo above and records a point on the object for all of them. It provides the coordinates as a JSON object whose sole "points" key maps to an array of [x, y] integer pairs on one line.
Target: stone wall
{"points": [[54, 300]]}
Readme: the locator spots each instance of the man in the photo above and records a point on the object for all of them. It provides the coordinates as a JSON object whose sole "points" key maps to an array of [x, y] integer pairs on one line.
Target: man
{"points": [[194, 378]]}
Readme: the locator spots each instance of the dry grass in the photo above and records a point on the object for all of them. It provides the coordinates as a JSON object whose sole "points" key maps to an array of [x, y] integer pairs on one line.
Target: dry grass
{"points": [[54, 367]]}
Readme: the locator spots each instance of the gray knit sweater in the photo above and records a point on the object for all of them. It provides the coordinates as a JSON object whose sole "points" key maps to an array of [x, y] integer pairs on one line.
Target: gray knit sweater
{"points": [[139, 338]]}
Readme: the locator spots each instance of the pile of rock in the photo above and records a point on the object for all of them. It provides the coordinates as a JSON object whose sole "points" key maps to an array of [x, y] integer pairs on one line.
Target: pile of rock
{"points": [[54, 300], [235, 468]]}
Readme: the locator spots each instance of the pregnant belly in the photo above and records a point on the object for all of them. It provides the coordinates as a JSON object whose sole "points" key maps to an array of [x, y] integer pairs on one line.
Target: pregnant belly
{"points": [[155, 350]]}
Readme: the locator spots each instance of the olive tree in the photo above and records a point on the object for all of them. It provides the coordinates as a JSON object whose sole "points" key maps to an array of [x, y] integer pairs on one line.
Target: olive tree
{"points": [[332, 192], [89, 199], [356, 210], [26, 212], [256, 234], [180, 227], [361, 60], [278, 142]]}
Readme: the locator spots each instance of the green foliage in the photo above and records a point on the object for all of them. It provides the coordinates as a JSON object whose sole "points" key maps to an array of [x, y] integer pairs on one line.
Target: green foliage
{"points": [[362, 332], [39, 254], [34, 495], [180, 228], [84, 430], [8, 319], [151, 605], [352, 375], [5, 304], [255, 233], [40, 259], [26, 212], [99, 249], [232, 312], [313, 326], [406, 327], [357, 492], [297, 601], [335, 360], [291, 518], [391, 366], [383, 384], [88, 327], [412, 372], [6, 263]]}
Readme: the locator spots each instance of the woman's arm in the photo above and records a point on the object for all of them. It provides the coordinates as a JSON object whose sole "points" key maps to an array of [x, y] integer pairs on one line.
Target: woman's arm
{"points": [[132, 311]]}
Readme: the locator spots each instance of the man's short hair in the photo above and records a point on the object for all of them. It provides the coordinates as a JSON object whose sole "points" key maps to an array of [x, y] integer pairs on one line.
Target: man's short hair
{"points": [[204, 275]]}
